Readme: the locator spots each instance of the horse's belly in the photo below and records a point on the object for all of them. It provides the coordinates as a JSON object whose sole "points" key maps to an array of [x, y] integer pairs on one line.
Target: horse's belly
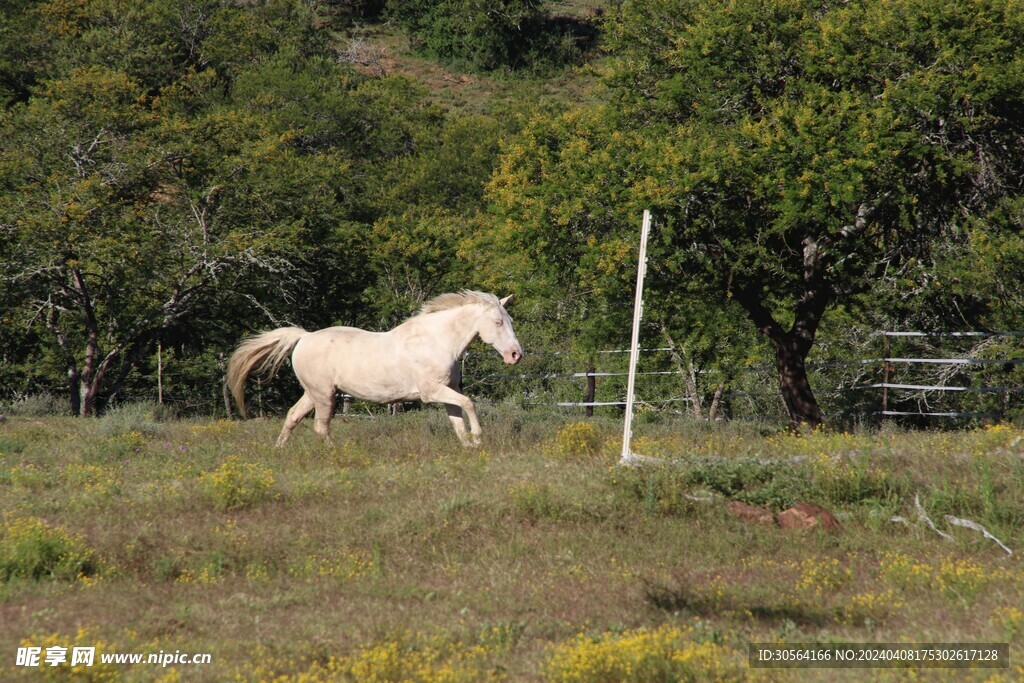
{"points": [[378, 394], [355, 362]]}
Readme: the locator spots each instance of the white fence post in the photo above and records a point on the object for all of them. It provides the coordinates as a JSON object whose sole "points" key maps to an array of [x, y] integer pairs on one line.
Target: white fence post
{"points": [[634, 348]]}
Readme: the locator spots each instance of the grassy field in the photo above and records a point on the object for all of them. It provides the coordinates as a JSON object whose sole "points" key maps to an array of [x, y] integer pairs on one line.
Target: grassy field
{"points": [[397, 555]]}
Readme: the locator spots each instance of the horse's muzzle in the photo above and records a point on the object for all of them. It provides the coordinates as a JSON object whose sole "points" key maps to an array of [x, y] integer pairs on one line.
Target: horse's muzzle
{"points": [[514, 356]]}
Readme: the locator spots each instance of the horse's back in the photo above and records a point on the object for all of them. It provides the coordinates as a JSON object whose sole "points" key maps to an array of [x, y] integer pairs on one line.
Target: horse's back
{"points": [[340, 334], [344, 345], [365, 364]]}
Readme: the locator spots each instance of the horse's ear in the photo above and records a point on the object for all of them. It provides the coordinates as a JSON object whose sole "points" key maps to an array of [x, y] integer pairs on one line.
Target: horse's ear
{"points": [[507, 300]]}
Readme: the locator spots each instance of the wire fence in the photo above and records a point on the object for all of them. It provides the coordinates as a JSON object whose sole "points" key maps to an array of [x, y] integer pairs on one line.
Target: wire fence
{"points": [[914, 376], [917, 377]]}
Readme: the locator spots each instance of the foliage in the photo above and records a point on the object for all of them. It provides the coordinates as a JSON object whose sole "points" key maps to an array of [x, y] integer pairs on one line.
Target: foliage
{"points": [[207, 167], [566, 193], [183, 172], [794, 152]]}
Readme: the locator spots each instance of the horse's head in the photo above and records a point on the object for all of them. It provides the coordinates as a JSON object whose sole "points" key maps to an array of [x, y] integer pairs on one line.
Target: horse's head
{"points": [[496, 329]]}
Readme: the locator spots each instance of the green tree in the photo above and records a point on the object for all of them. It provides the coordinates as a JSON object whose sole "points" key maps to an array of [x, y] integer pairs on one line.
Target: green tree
{"points": [[245, 176], [117, 231], [569, 193], [21, 47], [795, 151]]}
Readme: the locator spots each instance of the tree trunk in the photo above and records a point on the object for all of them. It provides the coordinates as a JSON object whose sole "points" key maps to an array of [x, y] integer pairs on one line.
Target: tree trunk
{"points": [[687, 372], [88, 404], [88, 382], [74, 387], [791, 350], [796, 388], [91, 375], [716, 401]]}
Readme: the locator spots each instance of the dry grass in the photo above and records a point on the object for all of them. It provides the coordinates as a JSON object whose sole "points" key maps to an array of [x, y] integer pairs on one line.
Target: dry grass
{"points": [[398, 555]]}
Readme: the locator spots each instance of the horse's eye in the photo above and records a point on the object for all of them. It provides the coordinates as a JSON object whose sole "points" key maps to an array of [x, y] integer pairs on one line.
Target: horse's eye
{"points": [[499, 322]]}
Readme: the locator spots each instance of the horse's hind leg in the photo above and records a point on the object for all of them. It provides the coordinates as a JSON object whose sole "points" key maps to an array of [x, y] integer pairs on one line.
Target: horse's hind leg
{"points": [[324, 412], [298, 411]]}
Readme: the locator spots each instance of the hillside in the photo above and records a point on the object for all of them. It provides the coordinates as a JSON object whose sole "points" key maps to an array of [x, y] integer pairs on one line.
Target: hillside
{"points": [[381, 48]]}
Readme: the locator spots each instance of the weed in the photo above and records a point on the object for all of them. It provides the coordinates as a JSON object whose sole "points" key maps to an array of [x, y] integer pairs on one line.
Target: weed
{"points": [[535, 502], [140, 417], [31, 477], [577, 440], [406, 657], [663, 654], [1010, 619], [121, 445], [821, 576], [11, 446], [92, 480], [95, 670], [30, 548], [340, 565], [659, 490], [236, 484], [871, 606]]}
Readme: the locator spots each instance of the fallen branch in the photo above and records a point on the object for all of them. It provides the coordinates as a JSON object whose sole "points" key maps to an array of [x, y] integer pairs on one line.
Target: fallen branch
{"points": [[923, 516], [956, 521]]}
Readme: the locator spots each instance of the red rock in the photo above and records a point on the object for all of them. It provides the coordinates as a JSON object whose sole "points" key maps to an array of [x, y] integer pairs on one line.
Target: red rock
{"points": [[751, 513], [808, 516]]}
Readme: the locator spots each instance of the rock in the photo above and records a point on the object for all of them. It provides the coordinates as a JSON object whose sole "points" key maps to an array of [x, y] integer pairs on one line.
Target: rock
{"points": [[808, 516], [751, 513]]}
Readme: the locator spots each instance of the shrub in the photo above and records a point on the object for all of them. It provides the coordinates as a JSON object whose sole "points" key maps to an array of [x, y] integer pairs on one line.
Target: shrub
{"points": [[141, 417], [506, 34], [236, 484], [30, 548], [577, 440], [39, 405]]}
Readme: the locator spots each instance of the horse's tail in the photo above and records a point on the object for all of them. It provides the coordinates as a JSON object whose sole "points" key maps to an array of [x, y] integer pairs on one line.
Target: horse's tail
{"points": [[263, 353]]}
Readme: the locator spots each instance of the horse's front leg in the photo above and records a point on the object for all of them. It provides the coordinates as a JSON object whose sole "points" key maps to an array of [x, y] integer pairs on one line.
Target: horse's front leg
{"points": [[458, 424], [455, 404]]}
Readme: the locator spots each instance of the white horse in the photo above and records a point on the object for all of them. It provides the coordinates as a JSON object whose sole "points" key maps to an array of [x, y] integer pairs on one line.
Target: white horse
{"points": [[418, 360]]}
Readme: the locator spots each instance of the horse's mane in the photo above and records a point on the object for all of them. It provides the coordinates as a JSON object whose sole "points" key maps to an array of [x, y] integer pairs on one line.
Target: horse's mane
{"points": [[451, 300]]}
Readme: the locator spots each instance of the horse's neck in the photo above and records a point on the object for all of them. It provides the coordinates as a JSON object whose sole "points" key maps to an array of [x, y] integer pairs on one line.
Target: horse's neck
{"points": [[463, 324], [453, 329]]}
